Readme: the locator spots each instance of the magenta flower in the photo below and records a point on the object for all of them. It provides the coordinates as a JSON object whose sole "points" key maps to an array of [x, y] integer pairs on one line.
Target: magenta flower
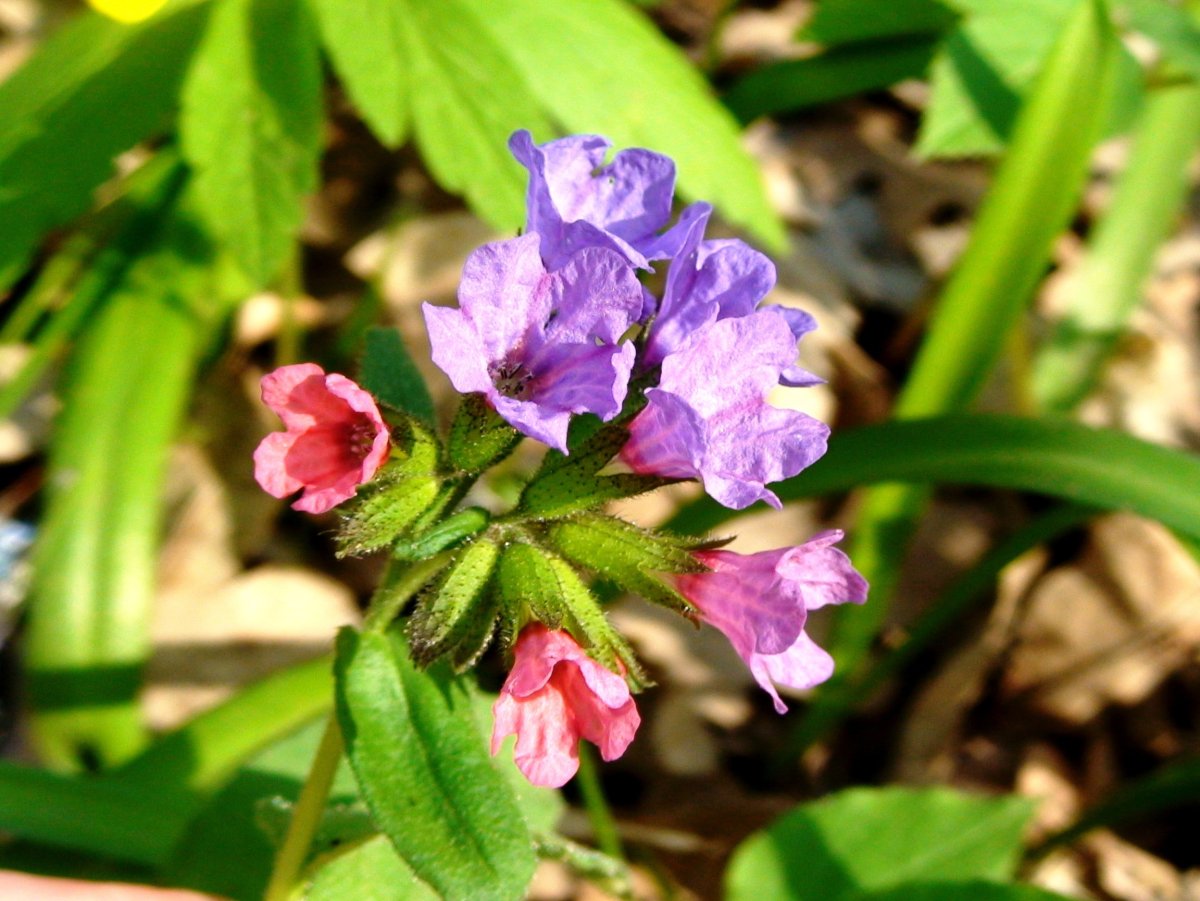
{"points": [[709, 417], [555, 695], [540, 345], [761, 602], [335, 438], [575, 201], [712, 280]]}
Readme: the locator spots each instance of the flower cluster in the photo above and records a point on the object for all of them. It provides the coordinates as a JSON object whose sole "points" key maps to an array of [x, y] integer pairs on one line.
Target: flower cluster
{"points": [[551, 326]]}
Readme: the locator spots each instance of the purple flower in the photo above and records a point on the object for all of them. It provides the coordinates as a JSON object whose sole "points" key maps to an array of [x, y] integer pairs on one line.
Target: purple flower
{"points": [[575, 201], [713, 280], [761, 603], [709, 417], [540, 345]]}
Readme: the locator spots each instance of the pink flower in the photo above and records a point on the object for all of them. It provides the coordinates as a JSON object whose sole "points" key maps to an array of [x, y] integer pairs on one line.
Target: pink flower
{"points": [[335, 438], [555, 695], [761, 602]]}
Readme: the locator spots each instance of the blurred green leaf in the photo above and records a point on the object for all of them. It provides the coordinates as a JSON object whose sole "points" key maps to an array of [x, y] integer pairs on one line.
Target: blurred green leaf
{"points": [[1107, 288], [836, 700], [1172, 28], [833, 75], [90, 815], [365, 43], [838, 22], [388, 372], [865, 840], [251, 127], [1031, 200], [92, 90], [962, 891], [139, 811], [472, 96], [599, 66], [126, 389], [424, 771], [1175, 785], [228, 847], [983, 70], [369, 871], [1096, 467]]}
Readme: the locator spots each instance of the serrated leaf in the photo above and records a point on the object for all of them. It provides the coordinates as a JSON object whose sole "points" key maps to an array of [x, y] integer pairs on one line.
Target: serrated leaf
{"points": [[472, 97], [424, 771], [983, 70], [92, 90], [251, 127], [365, 42], [447, 611], [864, 840], [838, 22], [389, 373], [633, 86]]}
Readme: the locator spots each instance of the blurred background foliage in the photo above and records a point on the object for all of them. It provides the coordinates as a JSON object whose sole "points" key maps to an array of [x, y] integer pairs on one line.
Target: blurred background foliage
{"points": [[987, 203]]}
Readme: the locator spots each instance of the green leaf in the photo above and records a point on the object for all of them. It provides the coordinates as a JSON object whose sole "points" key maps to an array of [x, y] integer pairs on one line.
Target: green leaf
{"points": [[85, 272], [569, 483], [1121, 247], [90, 815], [833, 75], [985, 66], [251, 127], [424, 771], [1095, 467], [365, 42], [472, 97], [457, 606], [479, 437], [138, 812], [633, 86], [1175, 785], [385, 510], [626, 554], [536, 584], [839, 22], [960, 891], [95, 562], [443, 535], [229, 847], [369, 871], [1172, 28], [92, 90], [389, 373], [864, 840], [1034, 193]]}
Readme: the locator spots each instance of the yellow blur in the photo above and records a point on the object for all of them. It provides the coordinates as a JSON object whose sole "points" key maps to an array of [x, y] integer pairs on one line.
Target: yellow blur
{"points": [[127, 10]]}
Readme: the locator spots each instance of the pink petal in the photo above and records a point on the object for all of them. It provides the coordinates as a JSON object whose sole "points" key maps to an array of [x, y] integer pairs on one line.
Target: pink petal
{"points": [[270, 465], [547, 750]]}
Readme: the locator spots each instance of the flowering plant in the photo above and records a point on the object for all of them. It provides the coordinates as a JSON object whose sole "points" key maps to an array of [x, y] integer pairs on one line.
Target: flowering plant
{"points": [[557, 338]]}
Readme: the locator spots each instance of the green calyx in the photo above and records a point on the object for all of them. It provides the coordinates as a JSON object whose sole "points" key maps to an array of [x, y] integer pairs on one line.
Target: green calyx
{"points": [[530, 564]]}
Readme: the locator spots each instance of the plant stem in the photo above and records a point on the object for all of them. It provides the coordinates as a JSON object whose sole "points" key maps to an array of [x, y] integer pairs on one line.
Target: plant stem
{"points": [[603, 824], [398, 586], [306, 816]]}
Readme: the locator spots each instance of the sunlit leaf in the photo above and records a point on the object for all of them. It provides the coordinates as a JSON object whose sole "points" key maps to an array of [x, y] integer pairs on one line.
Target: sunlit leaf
{"points": [[251, 127]]}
